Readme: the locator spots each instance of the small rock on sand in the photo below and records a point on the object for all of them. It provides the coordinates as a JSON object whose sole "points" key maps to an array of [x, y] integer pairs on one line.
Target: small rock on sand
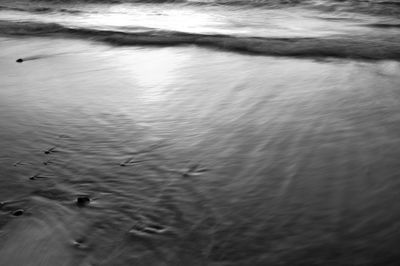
{"points": [[80, 243], [82, 201], [18, 212]]}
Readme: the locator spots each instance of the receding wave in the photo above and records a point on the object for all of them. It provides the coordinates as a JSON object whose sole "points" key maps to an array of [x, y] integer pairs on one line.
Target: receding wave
{"points": [[337, 47], [384, 25], [41, 9], [12, 8]]}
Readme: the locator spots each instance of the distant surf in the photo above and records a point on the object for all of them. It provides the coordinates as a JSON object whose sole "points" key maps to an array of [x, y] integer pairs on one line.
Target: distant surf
{"points": [[388, 8]]}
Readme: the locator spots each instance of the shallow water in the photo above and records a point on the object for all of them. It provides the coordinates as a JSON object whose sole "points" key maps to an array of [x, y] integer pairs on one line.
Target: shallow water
{"points": [[199, 133], [303, 31], [195, 157]]}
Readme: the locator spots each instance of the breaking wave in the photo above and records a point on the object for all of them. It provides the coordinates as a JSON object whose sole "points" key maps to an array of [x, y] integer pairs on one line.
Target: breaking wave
{"points": [[381, 7], [336, 47], [40, 9]]}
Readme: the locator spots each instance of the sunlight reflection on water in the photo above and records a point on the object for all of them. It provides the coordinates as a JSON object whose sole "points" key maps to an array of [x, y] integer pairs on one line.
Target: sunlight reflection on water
{"points": [[294, 22]]}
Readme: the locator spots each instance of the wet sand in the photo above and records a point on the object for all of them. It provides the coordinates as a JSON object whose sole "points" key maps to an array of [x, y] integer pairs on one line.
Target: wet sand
{"points": [[195, 157]]}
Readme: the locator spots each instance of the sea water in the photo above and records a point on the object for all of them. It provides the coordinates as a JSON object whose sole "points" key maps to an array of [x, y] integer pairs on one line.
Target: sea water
{"points": [[199, 133]]}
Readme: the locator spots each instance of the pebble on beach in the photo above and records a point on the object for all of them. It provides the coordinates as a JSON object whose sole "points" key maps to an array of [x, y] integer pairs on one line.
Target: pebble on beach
{"points": [[82, 201], [80, 243], [51, 150], [18, 212]]}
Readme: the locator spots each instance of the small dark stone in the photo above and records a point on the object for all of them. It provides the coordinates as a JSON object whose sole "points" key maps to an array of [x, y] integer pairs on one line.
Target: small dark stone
{"points": [[156, 227], [80, 240], [80, 243], [34, 177], [51, 150], [82, 201], [47, 162], [20, 60], [18, 212]]}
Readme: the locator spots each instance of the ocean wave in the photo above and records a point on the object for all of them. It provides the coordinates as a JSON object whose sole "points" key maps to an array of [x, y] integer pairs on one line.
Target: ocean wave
{"points": [[12, 8], [41, 9], [234, 2], [384, 25], [64, 6], [373, 7], [221, 2], [351, 47]]}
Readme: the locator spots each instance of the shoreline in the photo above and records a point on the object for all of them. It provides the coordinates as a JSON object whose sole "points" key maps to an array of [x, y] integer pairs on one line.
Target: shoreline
{"points": [[224, 155]]}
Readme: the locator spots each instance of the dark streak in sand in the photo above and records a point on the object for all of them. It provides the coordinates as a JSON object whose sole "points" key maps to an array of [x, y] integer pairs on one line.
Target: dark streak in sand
{"points": [[21, 163], [152, 229], [131, 161], [51, 150], [193, 170], [37, 176]]}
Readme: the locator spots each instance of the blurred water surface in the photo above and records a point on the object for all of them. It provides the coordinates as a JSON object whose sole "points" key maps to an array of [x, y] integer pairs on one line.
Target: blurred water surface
{"points": [[195, 156]]}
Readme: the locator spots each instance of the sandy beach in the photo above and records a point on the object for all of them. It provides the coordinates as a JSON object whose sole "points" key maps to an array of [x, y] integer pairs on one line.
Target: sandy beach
{"points": [[224, 155], [212, 133]]}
